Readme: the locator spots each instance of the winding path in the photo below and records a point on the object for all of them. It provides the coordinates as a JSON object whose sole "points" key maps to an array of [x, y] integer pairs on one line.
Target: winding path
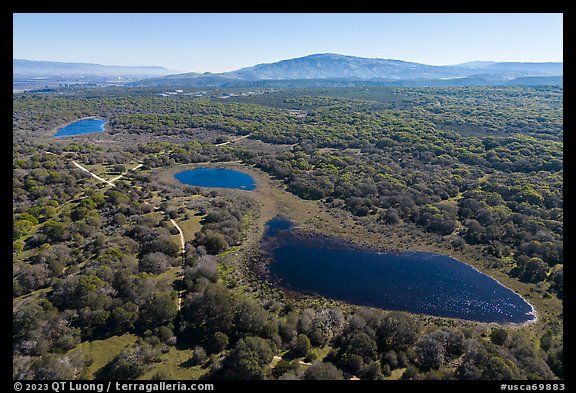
{"points": [[122, 174], [180, 273], [183, 251], [232, 140], [276, 357], [111, 181], [182, 241], [93, 174]]}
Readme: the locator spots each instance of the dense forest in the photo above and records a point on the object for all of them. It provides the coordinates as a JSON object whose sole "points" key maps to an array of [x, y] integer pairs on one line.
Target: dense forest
{"points": [[477, 169]]}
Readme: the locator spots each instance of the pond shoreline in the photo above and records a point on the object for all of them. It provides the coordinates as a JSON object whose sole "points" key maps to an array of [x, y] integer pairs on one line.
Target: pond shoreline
{"points": [[55, 130], [326, 242], [215, 177]]}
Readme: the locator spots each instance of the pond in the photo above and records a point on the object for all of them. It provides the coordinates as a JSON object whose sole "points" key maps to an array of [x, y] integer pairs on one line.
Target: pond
{"points": [[216, 177], [417, 282], [80, 127]]}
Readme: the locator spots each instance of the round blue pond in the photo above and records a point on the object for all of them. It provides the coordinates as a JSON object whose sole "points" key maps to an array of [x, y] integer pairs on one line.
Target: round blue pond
{"points": [[80, 127], [216, 177]]}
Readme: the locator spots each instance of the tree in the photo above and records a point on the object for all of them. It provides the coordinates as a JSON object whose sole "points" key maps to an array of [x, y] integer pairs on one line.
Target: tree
{"points": [[458, 243], [249, 359], [546, 340], [161, 244], [55, 231], [204, 268], [397, 331], [157, 310], [86, 290], [198, 355], [17, 246], [120, 219], [557, 280], [21, 227], [534, 270], [391, 359], [133, 362], [310, 357], [29, 314], [58, 367], [301, 346], [52, 335], [249, 318], [283, 367], [214, 242], [498, 368], [430, 353], [212, 309], [475, 232], [218, 342], [123, 318], [55, 258], [28, 217], [410, 373], [498, 336], [323, 371], [288, 325], [155, 263], [321, 326], [455, 344], [390, 217], [356, 349], [556, 362], [306, 321], [373, 371], [117, 198], [119, 168]]}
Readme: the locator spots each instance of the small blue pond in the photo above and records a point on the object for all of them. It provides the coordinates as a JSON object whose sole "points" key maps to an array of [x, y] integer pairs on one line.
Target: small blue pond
{"points": [[86, 126], [417, 282], [216, 177]]}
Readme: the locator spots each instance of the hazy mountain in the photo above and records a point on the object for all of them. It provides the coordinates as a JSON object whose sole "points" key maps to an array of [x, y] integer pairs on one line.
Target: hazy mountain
{"points": [[314, 70], [334, 69], [37, 69], [476, 64], [540, 69], [327, 66]]}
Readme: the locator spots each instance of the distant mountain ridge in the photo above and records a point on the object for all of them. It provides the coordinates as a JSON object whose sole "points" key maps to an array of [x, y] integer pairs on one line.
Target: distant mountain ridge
{"points": [[33, 69], [329, 65], [330, 68], [544, 69]]}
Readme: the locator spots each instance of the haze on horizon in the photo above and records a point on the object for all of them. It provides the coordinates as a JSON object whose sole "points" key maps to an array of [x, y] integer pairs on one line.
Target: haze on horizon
{"points": [[226, 42]]}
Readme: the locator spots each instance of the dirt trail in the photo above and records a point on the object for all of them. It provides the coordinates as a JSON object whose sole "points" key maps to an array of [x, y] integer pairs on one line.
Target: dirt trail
{"points": [[183, 251], [276, 357], [182, 240], [93, 174], [111, 181], [123, 174], [232, 140]]}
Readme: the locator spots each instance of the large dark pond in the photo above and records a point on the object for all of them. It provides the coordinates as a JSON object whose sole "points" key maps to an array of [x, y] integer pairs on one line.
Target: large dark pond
{"points": [[417, 282], [86, 126], [217, 177]]}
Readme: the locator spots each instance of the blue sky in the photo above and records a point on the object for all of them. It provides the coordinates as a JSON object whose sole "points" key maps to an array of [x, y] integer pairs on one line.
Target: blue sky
{"points": [[224, 42]]}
